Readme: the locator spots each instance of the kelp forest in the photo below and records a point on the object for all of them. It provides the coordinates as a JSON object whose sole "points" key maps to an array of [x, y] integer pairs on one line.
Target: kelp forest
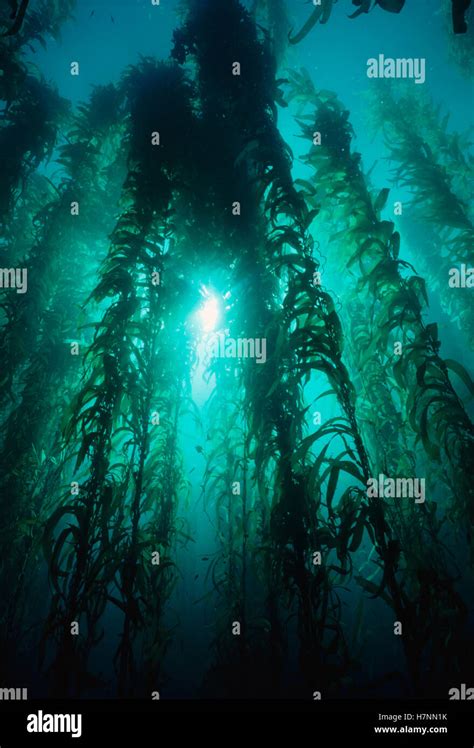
{"points": [[236, 335]]}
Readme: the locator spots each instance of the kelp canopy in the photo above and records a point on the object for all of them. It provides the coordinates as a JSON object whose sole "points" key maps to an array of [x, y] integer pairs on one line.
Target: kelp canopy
{"points": [[226, 415]]}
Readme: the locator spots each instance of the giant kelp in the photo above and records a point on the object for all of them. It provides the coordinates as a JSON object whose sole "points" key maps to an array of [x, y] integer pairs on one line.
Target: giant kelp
{"points": [[122, 371], [315, 342], [185, 188], [397, 301], [28, 136], [434, 165], [45, 369], [393, 308], [322, 13]]}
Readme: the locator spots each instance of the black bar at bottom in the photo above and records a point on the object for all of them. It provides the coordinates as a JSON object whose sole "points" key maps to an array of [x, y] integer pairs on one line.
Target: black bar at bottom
{"points": [[143, 723]]}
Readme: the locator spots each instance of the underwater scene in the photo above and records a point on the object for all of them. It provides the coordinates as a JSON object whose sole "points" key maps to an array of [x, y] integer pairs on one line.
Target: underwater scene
{"points": [[236, 350]]}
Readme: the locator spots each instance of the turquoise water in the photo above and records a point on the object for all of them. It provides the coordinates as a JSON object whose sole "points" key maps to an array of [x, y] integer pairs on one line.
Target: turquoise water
{"points": [[239, 554]]}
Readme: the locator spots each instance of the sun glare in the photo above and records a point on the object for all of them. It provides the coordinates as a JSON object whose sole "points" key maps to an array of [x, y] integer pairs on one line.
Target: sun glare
{"points": [[209, 312]]}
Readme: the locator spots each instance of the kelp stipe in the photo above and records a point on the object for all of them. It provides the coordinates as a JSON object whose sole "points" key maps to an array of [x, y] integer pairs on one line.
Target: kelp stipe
{"points": [[320, 14], [114, 446], [27, 137], [34, 112], [431, 163], [323, 10], [175, 184], [410, 576], [26, 24], [402, 306], [41, 368], [261, 149]]}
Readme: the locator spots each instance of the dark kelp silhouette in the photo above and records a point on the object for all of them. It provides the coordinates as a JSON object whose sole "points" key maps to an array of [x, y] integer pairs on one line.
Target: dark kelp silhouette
{"points": [[94, 493], [459, 9], [364, 6], [17, 15], [323, 11], [367, 234]]}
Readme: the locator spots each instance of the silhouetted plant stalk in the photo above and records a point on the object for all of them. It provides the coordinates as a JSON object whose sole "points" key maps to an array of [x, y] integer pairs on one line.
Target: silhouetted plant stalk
{"points": [[460, 45], [307, 327], [44, 20], [226, 490], [306, 338], [365, 232], [31, 451], [261, 153], [34, 112], [154, 497], [113, 379], [321, 14], [36, 22], [162, 365], [380, 417], [434, 410], [391, 444], [59, 228], [227, 177], [302, 484], [18, 234], [28, 134], [166, 482], [432, 164]]}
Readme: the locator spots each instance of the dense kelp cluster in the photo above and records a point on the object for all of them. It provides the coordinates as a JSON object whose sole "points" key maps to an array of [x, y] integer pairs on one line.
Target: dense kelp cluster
{"points": [[412, 388], [436, 167], [174, 188]]}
